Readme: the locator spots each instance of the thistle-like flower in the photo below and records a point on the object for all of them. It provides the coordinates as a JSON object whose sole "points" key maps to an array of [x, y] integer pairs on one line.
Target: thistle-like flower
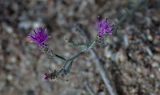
{"points": [[49, 76], [104, 27], [46, 76], [40, 36]]}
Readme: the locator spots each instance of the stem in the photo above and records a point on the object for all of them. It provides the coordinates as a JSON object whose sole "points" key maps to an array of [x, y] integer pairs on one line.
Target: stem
{"points": [[75, 56], [92, 44], [58, 56], [67, 65], [87, 49]]}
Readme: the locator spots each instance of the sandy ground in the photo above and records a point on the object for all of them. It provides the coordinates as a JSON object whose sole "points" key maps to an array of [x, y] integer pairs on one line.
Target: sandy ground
{"points": [[131, 58]]}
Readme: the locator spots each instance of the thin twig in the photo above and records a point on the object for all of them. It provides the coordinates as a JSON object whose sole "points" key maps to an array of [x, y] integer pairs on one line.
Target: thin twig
{"points": [[103, 74], [89, 89]]}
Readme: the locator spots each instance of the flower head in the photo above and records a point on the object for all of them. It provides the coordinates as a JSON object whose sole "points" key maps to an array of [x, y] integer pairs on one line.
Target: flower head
{"points": [[104, 27], [49, 76], [46, 76], [40, 36]]}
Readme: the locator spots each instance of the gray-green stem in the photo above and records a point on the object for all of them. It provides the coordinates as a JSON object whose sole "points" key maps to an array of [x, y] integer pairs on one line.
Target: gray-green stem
{"points": [[68, 62]]}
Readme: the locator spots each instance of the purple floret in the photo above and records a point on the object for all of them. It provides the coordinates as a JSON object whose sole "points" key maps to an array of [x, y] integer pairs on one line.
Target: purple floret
{"points": [[40, 36], [46, 76], [104, 27]]}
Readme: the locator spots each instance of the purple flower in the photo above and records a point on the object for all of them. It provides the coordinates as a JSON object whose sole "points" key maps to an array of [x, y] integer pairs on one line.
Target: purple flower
{"points": [[104, 27], [49, 76], [46, 76], [40, 36]]}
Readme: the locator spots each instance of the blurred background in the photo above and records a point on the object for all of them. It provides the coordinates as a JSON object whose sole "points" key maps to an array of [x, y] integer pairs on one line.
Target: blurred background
{"points": [[131, 58]]}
